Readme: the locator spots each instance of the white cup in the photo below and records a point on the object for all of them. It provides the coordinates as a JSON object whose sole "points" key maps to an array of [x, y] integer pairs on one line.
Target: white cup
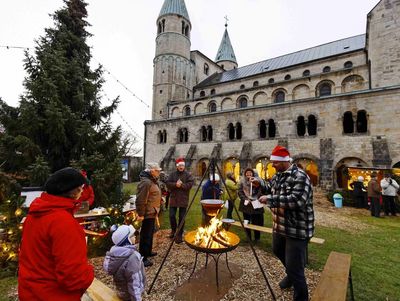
{"points": [[245, 222]]}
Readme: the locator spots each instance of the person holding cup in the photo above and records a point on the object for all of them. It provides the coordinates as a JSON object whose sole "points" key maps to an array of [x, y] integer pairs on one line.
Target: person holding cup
{"points": [[250, 190]]}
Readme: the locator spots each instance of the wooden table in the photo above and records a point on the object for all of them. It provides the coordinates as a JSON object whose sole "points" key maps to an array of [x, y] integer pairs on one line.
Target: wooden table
{"points": [[269, 230]]}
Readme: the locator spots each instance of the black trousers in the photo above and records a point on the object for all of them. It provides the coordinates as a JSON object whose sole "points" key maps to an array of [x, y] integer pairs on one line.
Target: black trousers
{"points": [[230, 209], [360, 201], [389, 205], [292, 253], [172, 218], [255, 219], [146, 237], [375, 207]]}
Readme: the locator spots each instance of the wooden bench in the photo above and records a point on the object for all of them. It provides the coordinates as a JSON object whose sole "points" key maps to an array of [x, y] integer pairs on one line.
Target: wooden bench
{"points": [[98, 291], [335, 279], [269, 230]]}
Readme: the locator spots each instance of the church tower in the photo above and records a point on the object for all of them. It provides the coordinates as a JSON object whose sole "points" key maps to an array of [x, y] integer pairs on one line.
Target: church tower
{"points": [[226, 56], [173, 70]]}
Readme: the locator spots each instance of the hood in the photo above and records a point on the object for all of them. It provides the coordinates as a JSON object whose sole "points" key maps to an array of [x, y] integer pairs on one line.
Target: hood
{"points": [[117, 256], [47, 203], [146, 175]]}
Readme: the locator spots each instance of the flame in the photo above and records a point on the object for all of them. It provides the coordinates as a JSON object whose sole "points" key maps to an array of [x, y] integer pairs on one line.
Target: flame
{"points": [[205, 236]]}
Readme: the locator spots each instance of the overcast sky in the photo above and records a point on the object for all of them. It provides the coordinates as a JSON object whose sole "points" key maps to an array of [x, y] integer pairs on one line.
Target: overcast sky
{"points": [[124, 34]]}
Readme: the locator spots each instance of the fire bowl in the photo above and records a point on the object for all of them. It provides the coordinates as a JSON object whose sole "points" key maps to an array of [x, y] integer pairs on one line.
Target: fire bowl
{"points": [[212, 206], [233, 240]]}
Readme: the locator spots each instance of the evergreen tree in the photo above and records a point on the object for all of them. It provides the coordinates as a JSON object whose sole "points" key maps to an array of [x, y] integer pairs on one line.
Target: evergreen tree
{"points": [[60, 116]]}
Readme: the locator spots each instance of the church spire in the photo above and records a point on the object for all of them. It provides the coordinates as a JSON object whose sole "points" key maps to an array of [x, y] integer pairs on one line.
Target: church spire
{"points": [[174, 7], [226, 56]]}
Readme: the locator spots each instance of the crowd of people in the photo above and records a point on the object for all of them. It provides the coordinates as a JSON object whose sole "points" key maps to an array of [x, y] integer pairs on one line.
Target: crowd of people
{"points": [[53, 261], [376, 194]]}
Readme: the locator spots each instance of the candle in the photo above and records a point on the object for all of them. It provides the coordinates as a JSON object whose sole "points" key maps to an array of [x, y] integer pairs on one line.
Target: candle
{"points": [[251, 189]]}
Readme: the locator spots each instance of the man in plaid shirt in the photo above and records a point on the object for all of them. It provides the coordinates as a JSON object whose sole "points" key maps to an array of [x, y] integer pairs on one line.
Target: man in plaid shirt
{"points": [[290, 197]]}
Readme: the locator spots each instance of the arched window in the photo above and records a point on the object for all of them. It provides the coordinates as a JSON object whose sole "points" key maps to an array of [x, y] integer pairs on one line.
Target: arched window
{"points": [[362, 122], [287, 77], [180, 136], [212, 107], [262, 129], [183, 27], [325, 89], [326, 69], [212, 92], [231, 131], [164, 136], [185, 135], [206, 68], [186, 111], [348, 123], [159, 137], [187, 30], [255, 84], [163, 25], [159, 28], [301, 126], [348, 64], [279, 96], [271, 81], [312, 125], [238, 131], [202, 93], [203, 133], [271, 128], [242, 87], [242, 102], [306, 73], [209, 133]]}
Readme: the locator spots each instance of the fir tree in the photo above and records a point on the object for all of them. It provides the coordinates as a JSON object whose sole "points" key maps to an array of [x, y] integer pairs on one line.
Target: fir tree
{"points": [[60, 116]]}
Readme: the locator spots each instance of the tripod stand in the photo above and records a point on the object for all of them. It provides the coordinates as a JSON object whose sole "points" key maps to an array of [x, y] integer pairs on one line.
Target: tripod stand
{"points": [[212, 168]]}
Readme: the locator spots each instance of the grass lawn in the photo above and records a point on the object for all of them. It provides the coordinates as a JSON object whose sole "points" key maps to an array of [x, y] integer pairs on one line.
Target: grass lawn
{"points": [[375, 252]]}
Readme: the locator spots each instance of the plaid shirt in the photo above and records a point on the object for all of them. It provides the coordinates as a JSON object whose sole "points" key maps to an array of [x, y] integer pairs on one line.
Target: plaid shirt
{"points": [[290, 198]]}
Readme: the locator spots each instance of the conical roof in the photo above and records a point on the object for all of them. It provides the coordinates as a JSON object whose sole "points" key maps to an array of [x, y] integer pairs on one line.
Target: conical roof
{"points": [[225, 51], [175, 7]]}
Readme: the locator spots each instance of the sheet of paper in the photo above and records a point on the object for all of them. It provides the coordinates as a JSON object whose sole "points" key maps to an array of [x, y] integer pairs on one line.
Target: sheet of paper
{"points": [[256, 204]]}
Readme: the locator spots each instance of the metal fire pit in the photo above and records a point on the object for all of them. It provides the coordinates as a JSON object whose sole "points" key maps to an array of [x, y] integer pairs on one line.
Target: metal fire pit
{"points": [[215, 253]]}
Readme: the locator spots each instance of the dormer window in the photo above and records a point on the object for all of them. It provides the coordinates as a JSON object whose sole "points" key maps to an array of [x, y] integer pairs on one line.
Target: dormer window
{"points": [[306, 73], [348, 65], [326, 69], [287, 77], [202, 93], [242, 87], [206, 68], [271, 81]]}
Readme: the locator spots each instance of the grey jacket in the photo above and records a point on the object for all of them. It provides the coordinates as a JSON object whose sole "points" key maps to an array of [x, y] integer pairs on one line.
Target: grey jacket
{"points": [[389, 187], [126, 266]]}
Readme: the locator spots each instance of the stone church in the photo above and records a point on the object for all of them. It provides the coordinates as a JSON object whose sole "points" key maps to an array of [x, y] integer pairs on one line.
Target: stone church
{"points": [[334, 106]]}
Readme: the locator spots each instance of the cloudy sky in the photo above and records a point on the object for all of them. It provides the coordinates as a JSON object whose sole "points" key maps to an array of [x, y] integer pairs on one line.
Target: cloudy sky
{"points": [[124, 38]]}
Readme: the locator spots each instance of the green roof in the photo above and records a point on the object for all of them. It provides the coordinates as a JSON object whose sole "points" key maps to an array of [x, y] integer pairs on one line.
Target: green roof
{"points": [[225, 51], [174, 7]]}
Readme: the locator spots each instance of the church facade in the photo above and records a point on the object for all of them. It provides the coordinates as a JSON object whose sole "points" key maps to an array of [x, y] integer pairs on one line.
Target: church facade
{"points": [[334, 106]]}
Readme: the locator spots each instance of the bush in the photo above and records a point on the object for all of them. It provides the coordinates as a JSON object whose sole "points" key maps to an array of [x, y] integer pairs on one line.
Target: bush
{"points": [[347, 197]]}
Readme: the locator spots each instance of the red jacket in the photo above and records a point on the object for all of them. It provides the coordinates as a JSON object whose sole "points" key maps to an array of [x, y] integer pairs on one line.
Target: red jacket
{"points": [[87, 195], [52, 261]]}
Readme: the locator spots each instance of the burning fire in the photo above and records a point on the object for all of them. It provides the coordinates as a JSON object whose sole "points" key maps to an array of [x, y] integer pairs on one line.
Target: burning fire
{"points": [[212, 236]]}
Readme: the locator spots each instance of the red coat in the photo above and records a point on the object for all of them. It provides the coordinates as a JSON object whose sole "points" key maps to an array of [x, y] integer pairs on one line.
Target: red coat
{"points": [[87, 195], [52, 261]]}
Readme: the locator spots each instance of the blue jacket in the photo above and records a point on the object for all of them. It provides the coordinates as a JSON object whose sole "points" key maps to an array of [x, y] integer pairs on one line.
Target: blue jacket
{"points": [[210, 191]]}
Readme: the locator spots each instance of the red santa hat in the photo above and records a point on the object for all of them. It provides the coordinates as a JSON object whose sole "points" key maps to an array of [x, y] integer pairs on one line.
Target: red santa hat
{"points": [[280, 153], [180, 161]]}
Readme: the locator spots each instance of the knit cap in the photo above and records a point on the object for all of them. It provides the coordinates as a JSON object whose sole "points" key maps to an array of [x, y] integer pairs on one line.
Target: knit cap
{"points": [[64, 180]]}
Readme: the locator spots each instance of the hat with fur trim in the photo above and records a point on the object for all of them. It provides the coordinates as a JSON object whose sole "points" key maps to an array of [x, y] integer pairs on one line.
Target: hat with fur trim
{"points": [[64, 180], [123, 235], [180, 161], [280, 153]]}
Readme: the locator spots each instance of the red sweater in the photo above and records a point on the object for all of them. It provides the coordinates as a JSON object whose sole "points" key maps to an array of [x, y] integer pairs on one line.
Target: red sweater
{"points": [[52, 261]]}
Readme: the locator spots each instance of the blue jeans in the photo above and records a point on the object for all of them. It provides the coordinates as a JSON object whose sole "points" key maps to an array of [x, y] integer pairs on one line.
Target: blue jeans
{"points": [[292, 253], [172, 218]]}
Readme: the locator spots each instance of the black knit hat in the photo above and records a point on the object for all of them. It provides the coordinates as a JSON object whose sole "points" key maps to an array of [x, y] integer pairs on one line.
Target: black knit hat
{"points": [[64, 180]]}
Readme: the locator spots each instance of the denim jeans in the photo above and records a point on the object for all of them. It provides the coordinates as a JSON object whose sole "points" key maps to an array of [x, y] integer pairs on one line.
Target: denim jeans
{"points": [[292, 253], [172, 218]]}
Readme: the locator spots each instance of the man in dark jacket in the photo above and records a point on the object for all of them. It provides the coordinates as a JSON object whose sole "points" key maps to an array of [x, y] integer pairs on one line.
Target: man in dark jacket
{"points": [[374, 194], [290, 197], [148, 202], [179, 184]]}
